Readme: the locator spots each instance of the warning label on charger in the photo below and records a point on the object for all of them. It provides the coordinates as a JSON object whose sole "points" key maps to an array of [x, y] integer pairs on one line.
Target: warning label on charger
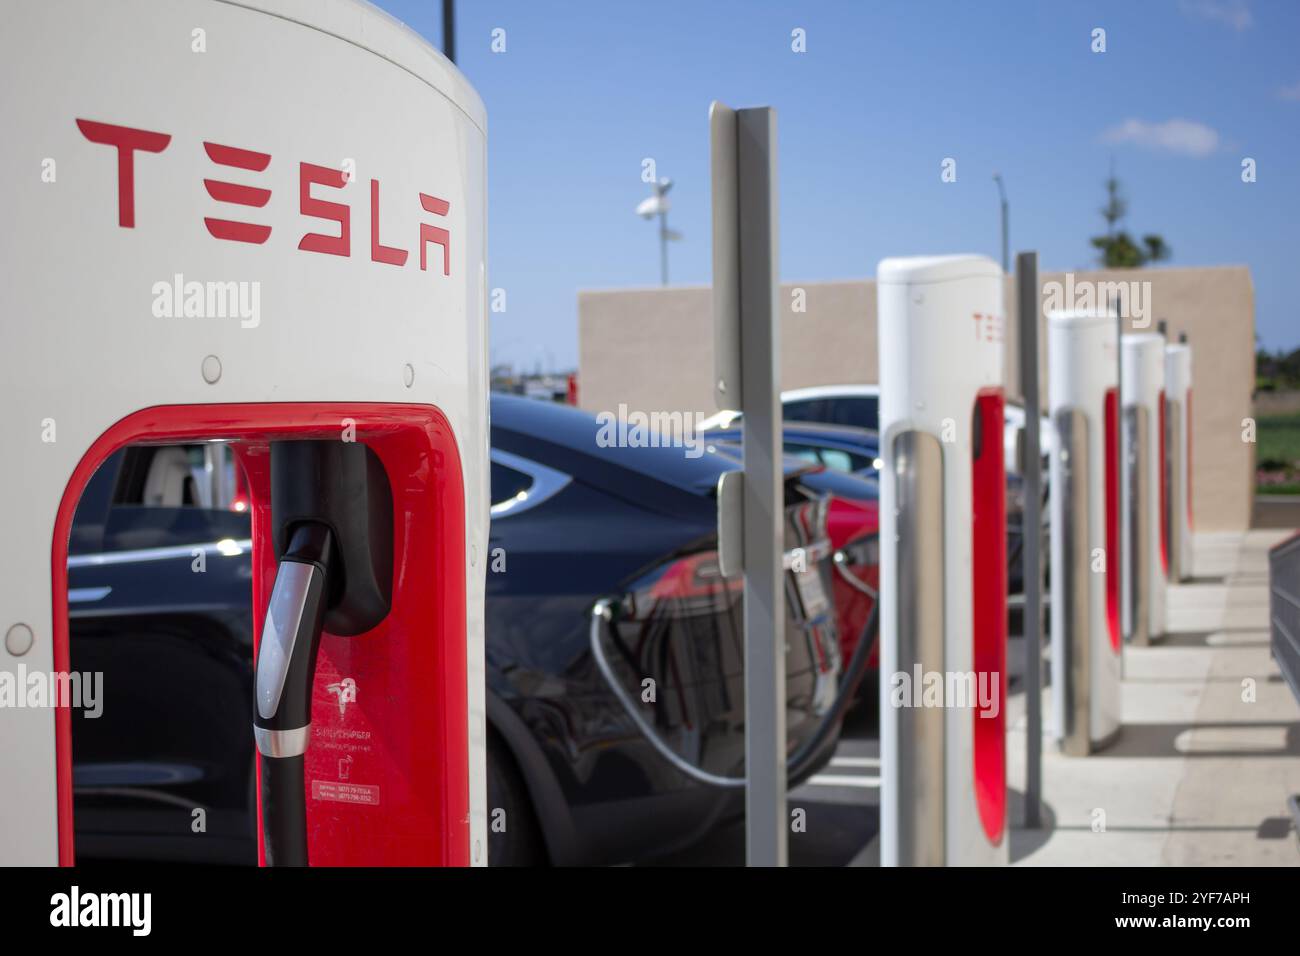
{"points": [[345, 792]]}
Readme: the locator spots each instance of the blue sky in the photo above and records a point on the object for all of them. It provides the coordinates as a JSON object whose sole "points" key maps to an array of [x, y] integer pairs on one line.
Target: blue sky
{"points": [[886, 90]]}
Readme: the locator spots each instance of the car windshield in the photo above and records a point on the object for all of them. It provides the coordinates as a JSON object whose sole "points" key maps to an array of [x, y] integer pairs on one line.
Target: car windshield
{"points": [[860, 411]]}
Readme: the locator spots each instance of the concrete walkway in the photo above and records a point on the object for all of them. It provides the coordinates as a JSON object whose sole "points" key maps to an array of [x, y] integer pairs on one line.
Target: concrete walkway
{"points": [[1210, 748]]}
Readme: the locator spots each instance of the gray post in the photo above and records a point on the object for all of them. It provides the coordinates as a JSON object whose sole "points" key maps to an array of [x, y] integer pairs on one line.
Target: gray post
{"points": [[748, 349], [760, 347], [1028, 308]]}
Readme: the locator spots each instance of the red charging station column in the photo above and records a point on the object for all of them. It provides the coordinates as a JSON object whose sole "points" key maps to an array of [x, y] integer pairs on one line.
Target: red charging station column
{"points": [[1178, 419], [1085, 541], [943, 562], [1144, 486], [231, 253]]}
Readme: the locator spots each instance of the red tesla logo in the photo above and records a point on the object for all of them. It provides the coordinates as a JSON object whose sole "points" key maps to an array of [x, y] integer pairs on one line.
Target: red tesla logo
{"points": [[988, 328], [235, 193], [128, 141]]}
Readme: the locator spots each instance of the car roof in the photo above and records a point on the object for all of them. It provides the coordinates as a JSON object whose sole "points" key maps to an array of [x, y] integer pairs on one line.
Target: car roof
{"points": [[572, 436], [819, 430], [830, 391], [727, 417]]}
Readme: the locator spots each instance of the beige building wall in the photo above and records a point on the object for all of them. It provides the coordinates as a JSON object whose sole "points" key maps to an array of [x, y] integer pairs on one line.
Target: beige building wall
{"points": [[652, 350]]}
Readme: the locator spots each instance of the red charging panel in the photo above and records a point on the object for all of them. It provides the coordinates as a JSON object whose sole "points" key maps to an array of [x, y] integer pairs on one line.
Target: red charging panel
{"points": [[989, 573], [388, 771], [1113, 548]]}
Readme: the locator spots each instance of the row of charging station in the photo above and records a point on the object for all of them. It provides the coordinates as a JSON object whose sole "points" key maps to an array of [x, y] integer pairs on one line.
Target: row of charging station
{"points": [[358, 412], [1120, 506]]}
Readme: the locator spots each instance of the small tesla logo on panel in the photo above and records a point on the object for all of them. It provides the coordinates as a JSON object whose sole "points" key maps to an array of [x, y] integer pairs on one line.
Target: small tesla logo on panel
{"points": [[243, 199], [346, 691]]}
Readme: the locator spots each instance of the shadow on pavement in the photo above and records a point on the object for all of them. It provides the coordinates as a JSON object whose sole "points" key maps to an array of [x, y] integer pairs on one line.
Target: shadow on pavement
{"points": [[1202, 638], [1025, 842], [1161, 740]]}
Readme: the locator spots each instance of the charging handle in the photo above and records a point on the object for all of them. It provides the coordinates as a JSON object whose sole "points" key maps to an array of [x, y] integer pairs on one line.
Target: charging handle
{"points": [[286, 658]]}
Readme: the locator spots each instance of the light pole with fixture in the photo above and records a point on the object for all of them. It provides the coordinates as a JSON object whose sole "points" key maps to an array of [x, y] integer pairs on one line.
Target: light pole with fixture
{"points": [[1002, 194], [658, 205]]}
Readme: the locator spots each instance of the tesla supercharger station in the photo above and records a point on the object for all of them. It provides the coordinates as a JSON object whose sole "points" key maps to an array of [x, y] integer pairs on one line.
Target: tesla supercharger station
{"points": [[1143, 486], [261, 223], [943, 562], [1178, 459], [1085, 541]]}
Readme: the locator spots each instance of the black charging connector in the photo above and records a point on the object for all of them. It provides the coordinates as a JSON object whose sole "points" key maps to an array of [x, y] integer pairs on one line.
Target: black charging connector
{"points": [[331, 509]]}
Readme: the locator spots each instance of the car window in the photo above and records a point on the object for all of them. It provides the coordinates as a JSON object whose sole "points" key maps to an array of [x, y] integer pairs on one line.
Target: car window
{"points": [[837, 459], [179, 476], [804, 410], [176, 495], [520, 484], [803, 452], [508, 483], [92, 510], [860, 411]]}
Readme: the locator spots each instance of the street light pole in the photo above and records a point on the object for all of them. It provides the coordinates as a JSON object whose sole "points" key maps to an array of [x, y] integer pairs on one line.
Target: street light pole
{"points": [[1002, 194], [663, 235], [657, 205], [449, 29]]}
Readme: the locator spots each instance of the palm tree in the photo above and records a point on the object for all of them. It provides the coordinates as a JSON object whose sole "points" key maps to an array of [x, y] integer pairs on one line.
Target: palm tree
{"points": [[1156, 248], [1117, 248]]}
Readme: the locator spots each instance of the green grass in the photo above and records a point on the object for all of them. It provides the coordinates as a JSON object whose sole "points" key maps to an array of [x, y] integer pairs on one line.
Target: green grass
{"points": [[1278, 444]]}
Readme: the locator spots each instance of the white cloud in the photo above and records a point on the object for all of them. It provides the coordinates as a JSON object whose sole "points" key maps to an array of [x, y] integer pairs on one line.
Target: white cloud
{"points": [[1233, 13], [1291, 92], [1185, 137]]}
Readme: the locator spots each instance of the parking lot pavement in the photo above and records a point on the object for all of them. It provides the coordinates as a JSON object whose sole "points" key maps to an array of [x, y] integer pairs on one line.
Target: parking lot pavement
{"points": [[841, 807], [1210, 747]]}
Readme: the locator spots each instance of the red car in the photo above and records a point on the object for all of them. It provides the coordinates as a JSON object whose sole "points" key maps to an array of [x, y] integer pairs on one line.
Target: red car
{"points": [[854, 528]]}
